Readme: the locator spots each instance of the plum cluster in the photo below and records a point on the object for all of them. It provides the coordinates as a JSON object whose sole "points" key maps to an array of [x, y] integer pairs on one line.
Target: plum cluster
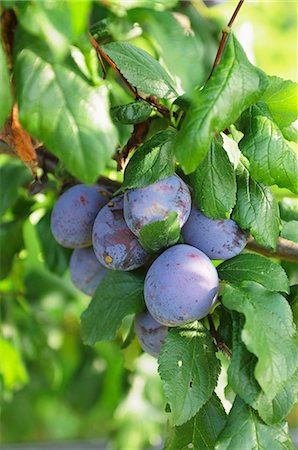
{"points": [[181, 284]]}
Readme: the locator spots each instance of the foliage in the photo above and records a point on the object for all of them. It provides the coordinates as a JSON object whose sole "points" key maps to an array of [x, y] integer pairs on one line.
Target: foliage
{"points": [[151, 162], [230, 137], [214, 183]]}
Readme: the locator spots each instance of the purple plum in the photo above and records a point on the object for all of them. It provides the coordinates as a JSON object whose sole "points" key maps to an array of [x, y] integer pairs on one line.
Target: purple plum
{"points": [[181, 286], [115, 246], [150, 333], [85, 270], [155, 202], [218, 239], [74, 214]]}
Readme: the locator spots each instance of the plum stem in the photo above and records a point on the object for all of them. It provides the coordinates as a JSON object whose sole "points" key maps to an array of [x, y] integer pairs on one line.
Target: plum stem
{"points": [[225, 34], [219, 342]]}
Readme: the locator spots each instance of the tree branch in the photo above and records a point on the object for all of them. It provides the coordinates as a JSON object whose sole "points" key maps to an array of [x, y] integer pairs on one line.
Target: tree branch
{"points": [[286, 250], [225, 34], [219, 343], [48, 163]]}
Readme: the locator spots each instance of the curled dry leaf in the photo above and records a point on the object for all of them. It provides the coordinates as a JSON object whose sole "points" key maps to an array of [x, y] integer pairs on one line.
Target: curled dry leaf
{"points": [[20, 141], [139, 133]]}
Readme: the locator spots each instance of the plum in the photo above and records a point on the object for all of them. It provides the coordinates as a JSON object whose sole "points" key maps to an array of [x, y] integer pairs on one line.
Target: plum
{"points": [[74, 214], [85, 270], [150, 333], [218, 239], [155, 202], [180, 286], [115, 246]]}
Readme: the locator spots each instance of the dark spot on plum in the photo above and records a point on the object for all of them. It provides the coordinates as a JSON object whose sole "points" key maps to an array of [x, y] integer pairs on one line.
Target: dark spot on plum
{"points": [[83, 200]]}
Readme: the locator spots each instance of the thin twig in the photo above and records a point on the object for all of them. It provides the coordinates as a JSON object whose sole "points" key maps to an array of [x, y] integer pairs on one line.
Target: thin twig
{"points": [[225, 34], [219, 343], [285, 250]]}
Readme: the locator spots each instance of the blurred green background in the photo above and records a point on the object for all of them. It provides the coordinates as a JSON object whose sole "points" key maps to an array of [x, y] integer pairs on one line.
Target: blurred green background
{"points": [[53, 387]]}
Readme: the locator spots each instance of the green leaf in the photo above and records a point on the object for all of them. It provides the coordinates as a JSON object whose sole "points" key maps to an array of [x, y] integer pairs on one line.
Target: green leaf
{"points": [[293, 297], [189, 369], [160, 234], [243, 382], [201, 431], [290, 231], [151, 162], [245, 428], [56, 23], [13, 174], [219, 104], [172, 41], [236, 134], [230, 145], [291, 132], [11, 242], [55, 256], [100, 30], [60, 108], [12, 369], [121, 6], [268, 333], [288, 208], [118, 295], [272, 160], [225, 324], [257, 210], [214, 184], [140, 69], [281, 97], [251, 267], [293, 300], [5, 93], [135, 112]]}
